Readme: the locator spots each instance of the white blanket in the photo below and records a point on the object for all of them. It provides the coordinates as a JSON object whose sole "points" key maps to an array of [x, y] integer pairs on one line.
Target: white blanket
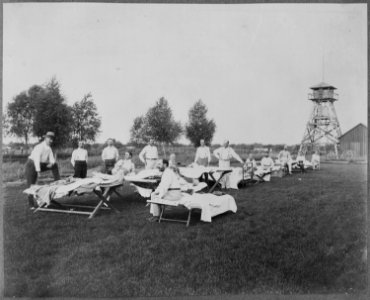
{"points": [[209, 204], [45, 193]]}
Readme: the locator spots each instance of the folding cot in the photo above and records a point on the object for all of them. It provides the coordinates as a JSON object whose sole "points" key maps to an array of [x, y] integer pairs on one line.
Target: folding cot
{"points": [[49, 196], [210, 205]]}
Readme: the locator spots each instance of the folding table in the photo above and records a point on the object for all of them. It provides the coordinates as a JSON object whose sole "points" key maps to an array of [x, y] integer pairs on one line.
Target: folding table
{"points": [[261, 177], [223, 173]]}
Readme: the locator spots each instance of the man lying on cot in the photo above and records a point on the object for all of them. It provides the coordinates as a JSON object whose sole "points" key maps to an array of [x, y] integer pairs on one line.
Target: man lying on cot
{"points": [[168, 189]]}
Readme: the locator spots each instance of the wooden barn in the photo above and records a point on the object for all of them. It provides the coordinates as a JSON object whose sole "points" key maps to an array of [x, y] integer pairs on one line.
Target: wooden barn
{"points": [[355, 140]]}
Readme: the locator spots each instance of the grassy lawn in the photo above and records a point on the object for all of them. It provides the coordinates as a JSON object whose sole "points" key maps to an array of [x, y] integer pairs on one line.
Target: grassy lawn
{"points": [[288, 236]]}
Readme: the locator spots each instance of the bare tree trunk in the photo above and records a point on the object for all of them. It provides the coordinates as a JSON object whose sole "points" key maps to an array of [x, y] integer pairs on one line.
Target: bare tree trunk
{"points": [[164, 150]]}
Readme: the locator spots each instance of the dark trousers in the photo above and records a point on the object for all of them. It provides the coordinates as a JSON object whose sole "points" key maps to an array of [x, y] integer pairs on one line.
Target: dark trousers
{"points": [[301, 166], [80, 169], [109, 165], [31, 174], [203, 162]]}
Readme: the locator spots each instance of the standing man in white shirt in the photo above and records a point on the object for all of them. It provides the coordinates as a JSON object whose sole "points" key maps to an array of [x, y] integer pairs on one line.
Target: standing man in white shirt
{"points": [[149, 155], [224, 155], [41, 160], [285, 159], [203, 155], [203, 158], [110, 155], [79, 161]]}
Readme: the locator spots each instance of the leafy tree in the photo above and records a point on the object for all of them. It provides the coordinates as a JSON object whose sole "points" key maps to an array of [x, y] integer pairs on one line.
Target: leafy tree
{"points": [[5, 124], [139, 131], [52, 113], [199, 127], [158, 124], [86, 120], [20, 116], [161, 125]]}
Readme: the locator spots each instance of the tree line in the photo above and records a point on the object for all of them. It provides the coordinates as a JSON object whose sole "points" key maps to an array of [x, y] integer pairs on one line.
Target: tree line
{"points": [[43, 108], [159, 124]]}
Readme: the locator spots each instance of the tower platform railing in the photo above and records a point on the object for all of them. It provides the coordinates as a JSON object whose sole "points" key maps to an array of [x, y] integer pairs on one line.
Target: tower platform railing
{"points": [[323, 97]]}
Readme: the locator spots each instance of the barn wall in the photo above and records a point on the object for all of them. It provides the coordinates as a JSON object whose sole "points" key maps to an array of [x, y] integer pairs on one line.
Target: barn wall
{"points": [[355, 140]]}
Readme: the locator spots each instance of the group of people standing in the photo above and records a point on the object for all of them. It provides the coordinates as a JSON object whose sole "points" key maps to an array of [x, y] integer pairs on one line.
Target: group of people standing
{"points": [[42, 159]]}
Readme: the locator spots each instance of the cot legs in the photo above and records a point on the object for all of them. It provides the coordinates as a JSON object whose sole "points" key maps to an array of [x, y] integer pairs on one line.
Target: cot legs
{"points": [[161, 218]]}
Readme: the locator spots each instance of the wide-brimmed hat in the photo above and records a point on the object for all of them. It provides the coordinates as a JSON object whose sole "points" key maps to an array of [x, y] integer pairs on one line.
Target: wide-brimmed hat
{"points": [[50, 134]]}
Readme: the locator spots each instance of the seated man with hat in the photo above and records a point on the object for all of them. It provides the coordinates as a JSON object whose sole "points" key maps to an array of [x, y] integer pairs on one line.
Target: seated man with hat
{"points": [[41, 160]]}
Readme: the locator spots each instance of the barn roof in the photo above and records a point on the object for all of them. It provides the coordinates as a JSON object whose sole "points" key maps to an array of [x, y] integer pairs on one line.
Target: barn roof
{"points": [[354, 128], [322, 85]]}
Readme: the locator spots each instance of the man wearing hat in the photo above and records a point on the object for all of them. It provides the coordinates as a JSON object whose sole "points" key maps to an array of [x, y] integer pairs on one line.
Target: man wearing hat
{"points": [[41, 160]]}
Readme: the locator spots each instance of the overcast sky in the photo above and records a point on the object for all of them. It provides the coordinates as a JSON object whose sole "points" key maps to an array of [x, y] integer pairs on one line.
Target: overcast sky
{"points": [[251, 64]]}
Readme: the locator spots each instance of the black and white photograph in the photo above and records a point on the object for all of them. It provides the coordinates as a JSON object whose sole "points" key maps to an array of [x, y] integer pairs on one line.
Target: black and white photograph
{"points": [[199, 149]]}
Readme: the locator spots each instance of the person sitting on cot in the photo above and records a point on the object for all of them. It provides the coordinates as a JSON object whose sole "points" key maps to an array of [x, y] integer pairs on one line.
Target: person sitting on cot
{"points": [[285, 159], [168, 189], [250, 165], [124, 166], [267, 164]]}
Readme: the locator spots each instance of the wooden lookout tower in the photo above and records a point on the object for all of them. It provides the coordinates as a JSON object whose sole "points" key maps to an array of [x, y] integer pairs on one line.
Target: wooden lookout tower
{"points": [[323, 125]]}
